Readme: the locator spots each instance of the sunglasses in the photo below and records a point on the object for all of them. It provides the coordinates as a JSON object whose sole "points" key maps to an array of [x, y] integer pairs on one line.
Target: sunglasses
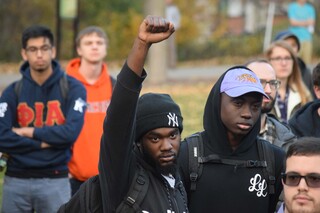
{"points": [[293, 179]]}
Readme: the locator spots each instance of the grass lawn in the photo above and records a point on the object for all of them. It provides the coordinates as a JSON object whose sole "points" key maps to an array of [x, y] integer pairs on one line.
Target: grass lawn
{"points": [[190, 96]]}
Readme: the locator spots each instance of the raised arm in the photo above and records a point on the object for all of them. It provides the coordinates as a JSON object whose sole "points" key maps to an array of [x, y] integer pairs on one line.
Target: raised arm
{"points": [[152, 30], [116, 156]]}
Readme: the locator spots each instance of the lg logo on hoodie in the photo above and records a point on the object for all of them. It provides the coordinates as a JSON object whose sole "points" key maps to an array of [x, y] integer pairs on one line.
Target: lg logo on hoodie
{"points": [[259, 185]]}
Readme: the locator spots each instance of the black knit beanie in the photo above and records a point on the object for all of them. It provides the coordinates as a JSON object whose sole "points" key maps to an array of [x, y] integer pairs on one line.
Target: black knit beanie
{"points": [[156, 111]]}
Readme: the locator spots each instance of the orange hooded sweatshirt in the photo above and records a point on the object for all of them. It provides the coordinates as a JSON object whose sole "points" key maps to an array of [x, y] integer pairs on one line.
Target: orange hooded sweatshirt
{"points": [[85, 151]]}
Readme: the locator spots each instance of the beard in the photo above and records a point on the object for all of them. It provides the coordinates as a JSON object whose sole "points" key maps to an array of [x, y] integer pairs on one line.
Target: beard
{"points": [[40, 67], [168, 169], [266, 108], [161, 169], [39, 70]]}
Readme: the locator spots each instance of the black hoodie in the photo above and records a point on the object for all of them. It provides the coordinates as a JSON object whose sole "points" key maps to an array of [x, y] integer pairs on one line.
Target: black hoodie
{"points": [[226, 188], [306, 121]]}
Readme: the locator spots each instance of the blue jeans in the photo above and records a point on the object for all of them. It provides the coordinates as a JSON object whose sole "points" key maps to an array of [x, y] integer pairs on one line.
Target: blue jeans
{"points": [[42, 195]]}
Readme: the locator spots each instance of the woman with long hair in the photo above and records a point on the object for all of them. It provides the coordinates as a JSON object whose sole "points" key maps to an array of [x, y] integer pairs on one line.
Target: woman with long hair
{"points": [[292, 93]]}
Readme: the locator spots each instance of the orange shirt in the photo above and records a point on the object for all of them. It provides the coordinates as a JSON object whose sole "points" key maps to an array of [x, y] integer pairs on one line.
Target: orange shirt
{"points": [[85, 151]]}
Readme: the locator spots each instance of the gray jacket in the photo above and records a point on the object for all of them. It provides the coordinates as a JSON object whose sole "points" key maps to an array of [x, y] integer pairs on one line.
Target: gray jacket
{"points": [[284, 137]]}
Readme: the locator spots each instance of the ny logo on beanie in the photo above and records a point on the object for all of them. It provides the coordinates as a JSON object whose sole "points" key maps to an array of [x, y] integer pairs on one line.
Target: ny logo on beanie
{"points": [[156, 110], [174, 119]]}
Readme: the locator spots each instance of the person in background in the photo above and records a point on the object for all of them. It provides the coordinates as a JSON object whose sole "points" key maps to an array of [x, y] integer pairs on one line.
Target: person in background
{"points": [[292, 93], [92, 72], [302, 16], [301, 180], [172, 14], [293, 41], [271, 129], [231, 124], [306, 121], [38, 126]]}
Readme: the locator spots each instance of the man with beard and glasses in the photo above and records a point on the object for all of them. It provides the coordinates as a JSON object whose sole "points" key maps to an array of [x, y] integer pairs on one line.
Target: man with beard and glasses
{"points": [[271, 129], [139, 135], [38, 125], [233, 177]]}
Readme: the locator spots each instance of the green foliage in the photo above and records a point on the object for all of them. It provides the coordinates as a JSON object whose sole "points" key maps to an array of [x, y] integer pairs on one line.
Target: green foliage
{"points": [[122, 31], [15, 16], [203, 33]]}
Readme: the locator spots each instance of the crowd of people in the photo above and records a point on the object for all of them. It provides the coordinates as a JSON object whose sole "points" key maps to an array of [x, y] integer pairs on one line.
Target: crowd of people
{"points": [[82, 140]]}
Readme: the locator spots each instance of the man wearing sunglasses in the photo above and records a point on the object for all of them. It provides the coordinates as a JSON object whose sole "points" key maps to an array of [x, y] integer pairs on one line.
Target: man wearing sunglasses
{"points": [[271, 129], [301, 181]]}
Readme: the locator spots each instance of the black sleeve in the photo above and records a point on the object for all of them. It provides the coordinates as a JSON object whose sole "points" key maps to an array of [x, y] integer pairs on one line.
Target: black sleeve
{"points": [[116, 156]]}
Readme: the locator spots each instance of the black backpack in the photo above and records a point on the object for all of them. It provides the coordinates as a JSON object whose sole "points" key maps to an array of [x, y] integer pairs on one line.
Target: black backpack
{"points": [[88, 197], [196, 160], [86, 200]]}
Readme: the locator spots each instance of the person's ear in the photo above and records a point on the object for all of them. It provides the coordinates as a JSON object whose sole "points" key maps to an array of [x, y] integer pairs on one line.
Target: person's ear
{"points": [[316, 90], [24, 54]]}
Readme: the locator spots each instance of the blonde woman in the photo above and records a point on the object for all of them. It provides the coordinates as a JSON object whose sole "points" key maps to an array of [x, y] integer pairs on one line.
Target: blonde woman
{"points": [[292, 93]]}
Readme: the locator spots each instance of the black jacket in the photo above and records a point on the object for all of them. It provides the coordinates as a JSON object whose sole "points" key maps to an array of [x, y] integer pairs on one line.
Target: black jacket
{"points": [[118, 160], [306, 121], [225, 188], [306, 76]]}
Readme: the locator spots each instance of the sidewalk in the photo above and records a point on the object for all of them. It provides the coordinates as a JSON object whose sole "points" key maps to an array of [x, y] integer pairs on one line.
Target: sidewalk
{"points": [[180, 74], [197, 73]]}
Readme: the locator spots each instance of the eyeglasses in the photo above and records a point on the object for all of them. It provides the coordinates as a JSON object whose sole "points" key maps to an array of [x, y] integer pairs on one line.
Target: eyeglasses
{"points": [[293, 179], [43, 49], [280, 59], [274, 84]]}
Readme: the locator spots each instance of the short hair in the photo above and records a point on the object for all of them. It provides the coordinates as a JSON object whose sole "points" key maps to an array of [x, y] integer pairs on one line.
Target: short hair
{"points": [[316, 75], [304, 146], [90, 30], [36, 31]]}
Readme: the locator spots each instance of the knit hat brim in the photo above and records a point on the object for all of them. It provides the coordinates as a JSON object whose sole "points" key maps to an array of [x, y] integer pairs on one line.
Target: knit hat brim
{"points": [[157, 111]]}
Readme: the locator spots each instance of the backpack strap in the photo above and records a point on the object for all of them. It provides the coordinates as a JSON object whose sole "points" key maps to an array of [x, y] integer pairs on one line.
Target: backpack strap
{"points": [[18, 88], [136, 193], [64, 86], [266, 152], [195, 148], [214, 158], [113, 81]]}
